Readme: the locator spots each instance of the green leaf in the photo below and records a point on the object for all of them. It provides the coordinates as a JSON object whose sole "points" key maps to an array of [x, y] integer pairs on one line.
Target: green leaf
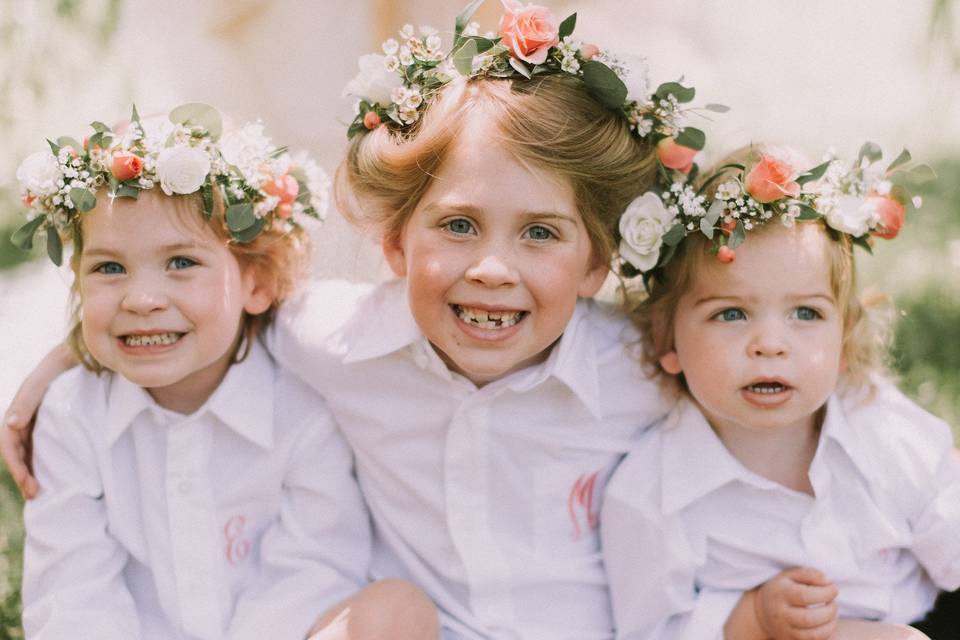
{"points": [[101, 139], [54, 246], [520, 67], [738, 236], [67, 141], [902, 159], [206, 193], [248, 234], [240, 217], [127, 191], [807, 212], [871, 151], [673, 237], [713, 214], [54, 147], [99, 127], [922, 173], [665, 254], [463, 57], [813, 174], [677, 90], [861, 241], [567, 26], [706, 228], [717, 108], [134, 116], [201, 115], [83, 199], [605, 85], [22, 238], [692, 138], [464, 18]]}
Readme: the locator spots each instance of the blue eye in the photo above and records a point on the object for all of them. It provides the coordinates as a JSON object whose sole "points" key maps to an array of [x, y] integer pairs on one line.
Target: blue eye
{"points": [[459, 226], [540, 232], [730, 315], [110, 268], [807, 313], [182, 262]]}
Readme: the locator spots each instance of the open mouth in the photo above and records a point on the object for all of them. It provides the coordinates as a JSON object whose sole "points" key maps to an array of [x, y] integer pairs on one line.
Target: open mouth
{"points": [[152, 339], [485, 319], [767, 388]]}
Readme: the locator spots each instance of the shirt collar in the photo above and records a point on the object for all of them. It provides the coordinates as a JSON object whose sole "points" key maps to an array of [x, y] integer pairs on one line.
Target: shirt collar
{"points": [[383, 324], [837, 427], [243, 401]]}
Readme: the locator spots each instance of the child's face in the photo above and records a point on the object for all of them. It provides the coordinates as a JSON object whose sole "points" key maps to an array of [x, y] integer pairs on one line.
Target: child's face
{"points": [[759, 340], [495, 256], [162, 298]]}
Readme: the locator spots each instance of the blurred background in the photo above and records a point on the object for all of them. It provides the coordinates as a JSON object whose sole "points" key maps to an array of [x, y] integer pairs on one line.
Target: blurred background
{"points": [[818, 74]]}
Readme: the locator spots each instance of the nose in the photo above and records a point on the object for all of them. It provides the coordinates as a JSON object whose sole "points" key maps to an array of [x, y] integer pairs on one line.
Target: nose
{"points": [[768, 341], [144, 296], [492, 269]]}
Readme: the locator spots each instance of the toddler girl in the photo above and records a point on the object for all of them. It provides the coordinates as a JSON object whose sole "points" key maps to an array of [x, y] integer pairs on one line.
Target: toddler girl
{"points": [[761, 475]]}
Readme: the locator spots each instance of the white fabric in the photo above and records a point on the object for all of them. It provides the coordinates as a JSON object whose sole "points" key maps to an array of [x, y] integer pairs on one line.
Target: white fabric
{"points": [[486, 498], [687, 528], [242, 520]]}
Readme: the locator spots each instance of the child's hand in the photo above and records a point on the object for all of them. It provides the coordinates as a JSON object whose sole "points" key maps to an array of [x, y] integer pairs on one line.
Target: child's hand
{"points": [[797, 604]]}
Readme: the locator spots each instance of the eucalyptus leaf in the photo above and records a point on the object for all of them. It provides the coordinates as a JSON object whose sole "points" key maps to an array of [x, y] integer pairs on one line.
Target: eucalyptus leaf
{"points": [[677, 90], [464, 18], [665, 254], [22, 238], [127, 191], [99, 127], [83, 200], [813, 174], [807, 212], [463, 57], [54, 147], [713, 213], [706, 228], [605, 85], [567, 26], [240, 217], [673, 237], [871, 151], [717, 108], [901, 159], [520, 67], [54, 246], [692, 138], [134, 116], [863, 241], [738, 236], [922, 173], [206, 194], [201, 115], [248, 234], [67, 141]]}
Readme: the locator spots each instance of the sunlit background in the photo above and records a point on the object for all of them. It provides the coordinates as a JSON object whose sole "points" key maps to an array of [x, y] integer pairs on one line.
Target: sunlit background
{"points": [[818, 74]]}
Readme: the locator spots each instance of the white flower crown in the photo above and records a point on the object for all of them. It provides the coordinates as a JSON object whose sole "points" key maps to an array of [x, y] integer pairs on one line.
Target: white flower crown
{"points": [[860, 200], [394, 88], [262, 186]]}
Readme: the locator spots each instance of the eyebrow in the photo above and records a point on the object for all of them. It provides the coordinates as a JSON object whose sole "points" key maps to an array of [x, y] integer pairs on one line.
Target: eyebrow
{"points": [[731, 298], [468, 209], [175, 247]]}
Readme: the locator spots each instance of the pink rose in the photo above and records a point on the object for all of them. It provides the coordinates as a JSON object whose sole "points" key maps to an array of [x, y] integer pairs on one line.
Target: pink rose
{"points": [[126, 166], [528, 32], [891, 214], [284, 187], [371, 120], [675, 156], [771, 179], [589, 51]]}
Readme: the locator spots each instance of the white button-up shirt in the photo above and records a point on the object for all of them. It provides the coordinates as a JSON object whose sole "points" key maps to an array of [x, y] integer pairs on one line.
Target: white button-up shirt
{"points": [[487, 498], [687, 528], [242, 520]]}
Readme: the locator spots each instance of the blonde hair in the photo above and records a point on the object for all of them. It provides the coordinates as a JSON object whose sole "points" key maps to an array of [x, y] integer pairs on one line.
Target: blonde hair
{"points": [[867, 320], [279, 259], [551, 121]]}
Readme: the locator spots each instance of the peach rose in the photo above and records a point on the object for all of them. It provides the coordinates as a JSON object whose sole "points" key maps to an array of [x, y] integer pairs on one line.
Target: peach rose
{"points": [[891, 214], [589, 51], [284, 187], [675, 156], [528, 32], [771, 179], [126, 166]]}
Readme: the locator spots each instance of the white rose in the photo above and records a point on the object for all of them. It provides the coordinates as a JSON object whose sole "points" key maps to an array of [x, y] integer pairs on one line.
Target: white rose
{"points": [[182, 169], [642, 227], [374, 82], [852, 214], [39, 173]]}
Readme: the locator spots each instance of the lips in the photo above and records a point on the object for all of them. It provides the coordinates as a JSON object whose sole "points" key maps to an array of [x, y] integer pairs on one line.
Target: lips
{"points": [[767, 392]]}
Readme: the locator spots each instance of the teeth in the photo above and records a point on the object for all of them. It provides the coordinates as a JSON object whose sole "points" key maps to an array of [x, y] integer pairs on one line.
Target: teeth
{"points": [[767, 387], [148, 340], [488, 319]]}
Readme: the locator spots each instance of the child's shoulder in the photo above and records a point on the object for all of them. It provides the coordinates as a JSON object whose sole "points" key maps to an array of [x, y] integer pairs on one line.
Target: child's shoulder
{"points": [[78, 391]]}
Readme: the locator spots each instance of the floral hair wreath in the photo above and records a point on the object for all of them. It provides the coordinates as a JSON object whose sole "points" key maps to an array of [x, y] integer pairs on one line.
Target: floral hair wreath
{"points": [[860, 200], [394, 88], [262, 186]]}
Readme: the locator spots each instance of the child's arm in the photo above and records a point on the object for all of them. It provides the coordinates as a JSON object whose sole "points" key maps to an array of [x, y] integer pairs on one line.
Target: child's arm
{"points": [[17, 430], [72, 578], [317, 552], [796, 604]]}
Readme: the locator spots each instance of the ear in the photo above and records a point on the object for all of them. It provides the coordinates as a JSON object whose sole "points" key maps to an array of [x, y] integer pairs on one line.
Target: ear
{"points": [[392, 245], [259, 289], [670, 362], [593, 279]]}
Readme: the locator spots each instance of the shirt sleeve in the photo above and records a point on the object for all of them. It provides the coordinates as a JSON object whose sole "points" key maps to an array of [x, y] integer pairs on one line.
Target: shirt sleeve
{"points": [[317, 552], [652, 571], [72, 577], [936, 531]]}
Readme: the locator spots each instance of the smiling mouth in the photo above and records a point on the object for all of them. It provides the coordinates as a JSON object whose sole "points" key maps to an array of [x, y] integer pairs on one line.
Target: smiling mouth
{"points": [[150, 340], [767, 388], [485, 319]]}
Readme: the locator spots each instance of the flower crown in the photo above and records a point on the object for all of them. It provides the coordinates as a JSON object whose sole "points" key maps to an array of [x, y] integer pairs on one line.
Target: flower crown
{"points": [[395, 88], [261, 185], [859, 199]]}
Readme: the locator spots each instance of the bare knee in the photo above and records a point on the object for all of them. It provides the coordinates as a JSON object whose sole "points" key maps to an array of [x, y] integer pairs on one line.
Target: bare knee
{"points": [[390, 608]]}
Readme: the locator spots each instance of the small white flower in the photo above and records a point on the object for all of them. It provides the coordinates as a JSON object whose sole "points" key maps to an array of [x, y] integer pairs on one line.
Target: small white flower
{"points": [[390, 46], [642, 227], [472, 29], [409, 116], [406, 58], [883, 187], [391, 63], [433, 43], [426, 31], [570, 65], [40, 174], [182, 169], [644, 127], [852, 214], [373, 83], [917, 201], [406, 31]]}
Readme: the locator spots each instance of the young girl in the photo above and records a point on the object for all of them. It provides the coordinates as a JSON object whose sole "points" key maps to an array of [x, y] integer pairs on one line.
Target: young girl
{"points": [[189, 487], [761, 475]]}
